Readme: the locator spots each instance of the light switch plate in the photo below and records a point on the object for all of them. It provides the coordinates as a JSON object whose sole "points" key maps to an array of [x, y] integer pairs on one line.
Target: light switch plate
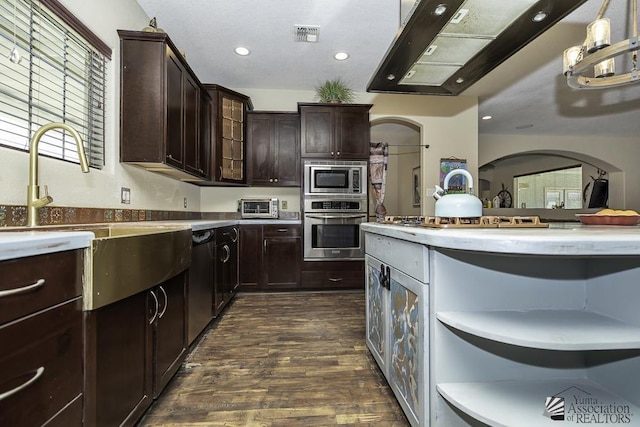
{"points": [[125, 195], [285, 204]]}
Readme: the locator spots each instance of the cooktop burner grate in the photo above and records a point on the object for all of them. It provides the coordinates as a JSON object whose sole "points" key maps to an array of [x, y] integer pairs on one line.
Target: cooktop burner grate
{"points": [[491, 221]]}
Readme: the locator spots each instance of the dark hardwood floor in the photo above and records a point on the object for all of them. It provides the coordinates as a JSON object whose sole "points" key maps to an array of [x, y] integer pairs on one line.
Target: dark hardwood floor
{"points": [[281, 359]]}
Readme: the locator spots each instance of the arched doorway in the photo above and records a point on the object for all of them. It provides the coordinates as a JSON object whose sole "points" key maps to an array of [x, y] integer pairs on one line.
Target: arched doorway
{"points": [[494, 174], [405, 158]]}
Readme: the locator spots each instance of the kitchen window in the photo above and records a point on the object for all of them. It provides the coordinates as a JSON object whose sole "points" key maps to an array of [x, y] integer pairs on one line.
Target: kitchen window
{"points": [[59, 77]]}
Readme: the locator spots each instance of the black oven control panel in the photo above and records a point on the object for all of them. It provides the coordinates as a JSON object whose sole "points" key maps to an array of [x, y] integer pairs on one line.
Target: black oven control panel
{"points": [[335, 205]]}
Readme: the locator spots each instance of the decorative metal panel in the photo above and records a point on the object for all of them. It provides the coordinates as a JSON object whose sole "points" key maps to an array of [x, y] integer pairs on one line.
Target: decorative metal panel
{"points": [[404, 368], [375, 314]]}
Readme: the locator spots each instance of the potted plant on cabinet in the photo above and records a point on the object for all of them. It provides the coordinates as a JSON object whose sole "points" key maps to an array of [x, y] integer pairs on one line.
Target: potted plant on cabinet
{"points": [[335, 91]]}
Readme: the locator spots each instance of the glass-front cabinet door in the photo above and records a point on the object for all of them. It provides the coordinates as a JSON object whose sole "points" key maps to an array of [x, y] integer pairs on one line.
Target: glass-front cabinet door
{"points": [[232, 139]]}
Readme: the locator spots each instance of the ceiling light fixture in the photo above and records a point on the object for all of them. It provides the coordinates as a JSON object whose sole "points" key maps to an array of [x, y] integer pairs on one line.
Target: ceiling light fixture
{"points": [[242, 51], [593, 65], [487, 117], [341, 56], [451, 44]]}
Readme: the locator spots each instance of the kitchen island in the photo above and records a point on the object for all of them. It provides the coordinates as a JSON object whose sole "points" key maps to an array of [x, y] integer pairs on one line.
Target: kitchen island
{"points": [[507, 327]]}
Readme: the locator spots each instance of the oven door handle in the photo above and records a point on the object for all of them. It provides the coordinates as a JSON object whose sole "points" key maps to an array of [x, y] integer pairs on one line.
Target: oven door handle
{"points": [[334, 216]]}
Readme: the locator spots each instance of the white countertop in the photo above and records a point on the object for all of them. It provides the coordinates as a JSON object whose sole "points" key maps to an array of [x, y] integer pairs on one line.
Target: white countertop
{"points": [[559, 239], [205, 224], [21, 244]]}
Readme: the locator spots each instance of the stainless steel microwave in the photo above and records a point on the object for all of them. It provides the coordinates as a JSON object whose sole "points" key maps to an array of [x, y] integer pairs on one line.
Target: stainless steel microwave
{"points": [[335, 177]]}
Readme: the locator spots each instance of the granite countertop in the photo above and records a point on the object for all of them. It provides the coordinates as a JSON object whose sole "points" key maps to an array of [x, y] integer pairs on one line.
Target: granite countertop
{"points": [[568, 239]]}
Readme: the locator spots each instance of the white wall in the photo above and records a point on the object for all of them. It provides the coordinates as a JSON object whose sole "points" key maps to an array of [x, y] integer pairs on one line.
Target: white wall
{"points": [[100, 188], [619, 156], [448, 124]]}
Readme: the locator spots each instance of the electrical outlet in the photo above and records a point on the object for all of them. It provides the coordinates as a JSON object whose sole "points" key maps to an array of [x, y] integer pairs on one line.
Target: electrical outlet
{"points": [[185, 202], [285, 204], [125, 195]]}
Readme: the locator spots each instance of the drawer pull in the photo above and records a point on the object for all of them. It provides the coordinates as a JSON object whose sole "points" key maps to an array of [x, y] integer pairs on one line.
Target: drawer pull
{"points": [[282, 230], [33, 379], [336, 279], [23, 289]]}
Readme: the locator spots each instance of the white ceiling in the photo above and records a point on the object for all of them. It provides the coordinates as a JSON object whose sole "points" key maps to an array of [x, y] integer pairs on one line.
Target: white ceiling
{"points": [[527, 89]]}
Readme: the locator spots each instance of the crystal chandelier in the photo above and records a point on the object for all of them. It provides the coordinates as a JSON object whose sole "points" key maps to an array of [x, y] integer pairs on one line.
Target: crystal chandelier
{"points": [[592, 65]]}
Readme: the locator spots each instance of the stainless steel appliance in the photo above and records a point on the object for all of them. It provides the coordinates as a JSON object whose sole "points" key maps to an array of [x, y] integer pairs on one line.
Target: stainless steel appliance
{"points": [[332, 228], [335, 177], [259, 208]]}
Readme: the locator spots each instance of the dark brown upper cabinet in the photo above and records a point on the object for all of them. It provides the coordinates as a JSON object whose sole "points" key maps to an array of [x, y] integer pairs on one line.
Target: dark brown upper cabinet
{"points": [[161, 100], [334, 131], [228, 126], [273, 149]]}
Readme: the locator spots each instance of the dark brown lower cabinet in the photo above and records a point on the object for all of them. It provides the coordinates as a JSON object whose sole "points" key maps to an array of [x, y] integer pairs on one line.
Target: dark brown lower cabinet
{"points": [[270, 257], [132, 348], [326, 275], [41, 367], [170, 331]]}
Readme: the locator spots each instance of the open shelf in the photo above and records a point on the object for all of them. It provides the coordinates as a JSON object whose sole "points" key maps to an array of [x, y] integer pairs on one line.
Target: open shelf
{"points": [[522, 403], [565, 330]]}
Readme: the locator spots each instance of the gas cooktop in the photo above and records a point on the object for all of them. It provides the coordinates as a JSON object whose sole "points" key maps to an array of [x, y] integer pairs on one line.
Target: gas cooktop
{"points": [[489, 221]]}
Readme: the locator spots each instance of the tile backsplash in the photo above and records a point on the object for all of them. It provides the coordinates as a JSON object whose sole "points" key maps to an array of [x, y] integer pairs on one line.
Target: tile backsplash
{"points": [[16, 215]]}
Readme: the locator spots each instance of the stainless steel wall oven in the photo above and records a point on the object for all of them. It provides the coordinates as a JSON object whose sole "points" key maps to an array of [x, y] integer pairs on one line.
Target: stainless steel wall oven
{"points": [[332, 228]]}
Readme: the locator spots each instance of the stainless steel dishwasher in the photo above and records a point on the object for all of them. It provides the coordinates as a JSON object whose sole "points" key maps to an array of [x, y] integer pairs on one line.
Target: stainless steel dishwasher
{"points": [[201, 282]]}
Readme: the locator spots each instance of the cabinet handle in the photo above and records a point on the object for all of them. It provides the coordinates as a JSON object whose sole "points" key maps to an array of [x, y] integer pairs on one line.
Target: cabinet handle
{"points": [[332, 153], [337, 153], [275, 180], [155, 298], [270, 179], [235, 235], [282, 230], [388, 278], [264, 246], [220, 171], [166, 303], [23, 289], [33, 379], [227, 253], [336, 279]]}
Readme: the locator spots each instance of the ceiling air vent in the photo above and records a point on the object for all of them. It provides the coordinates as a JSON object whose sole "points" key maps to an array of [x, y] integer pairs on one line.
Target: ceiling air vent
{"points": [[306, 33]]}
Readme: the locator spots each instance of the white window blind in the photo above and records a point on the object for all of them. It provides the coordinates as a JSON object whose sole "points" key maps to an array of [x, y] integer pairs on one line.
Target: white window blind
{"points": [[60, 78]]}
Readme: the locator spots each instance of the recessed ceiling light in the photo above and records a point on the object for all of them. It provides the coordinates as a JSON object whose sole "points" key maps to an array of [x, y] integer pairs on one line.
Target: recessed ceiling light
{"points": [[487, 117], [341, 56], [540, 16], [242, 51], [459, 80], [391, 77], [440, 9]]}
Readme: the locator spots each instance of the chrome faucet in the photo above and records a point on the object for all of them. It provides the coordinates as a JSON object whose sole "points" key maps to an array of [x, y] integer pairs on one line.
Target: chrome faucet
{"points": [[34, 201]]}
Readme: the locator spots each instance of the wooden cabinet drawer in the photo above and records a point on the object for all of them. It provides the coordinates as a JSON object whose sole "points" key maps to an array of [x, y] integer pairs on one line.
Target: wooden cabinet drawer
{"points": [[46, 349], [333, 275], [59, 273], [285, 230]]}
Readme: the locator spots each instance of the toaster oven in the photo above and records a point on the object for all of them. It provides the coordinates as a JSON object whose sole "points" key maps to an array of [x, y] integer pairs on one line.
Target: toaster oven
{"points": [[259, 208]]}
